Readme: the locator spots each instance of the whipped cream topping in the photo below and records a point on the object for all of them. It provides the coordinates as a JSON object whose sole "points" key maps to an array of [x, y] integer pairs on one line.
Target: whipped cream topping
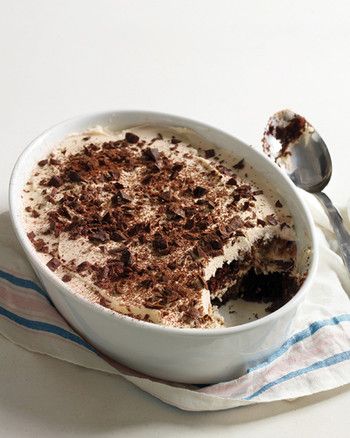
{"points": [[141, 220]]}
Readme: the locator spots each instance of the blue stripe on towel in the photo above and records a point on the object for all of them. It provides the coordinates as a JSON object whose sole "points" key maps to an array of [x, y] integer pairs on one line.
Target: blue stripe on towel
{"points": [[21, 282], [332, 360], [46, 327], [298, 337]]}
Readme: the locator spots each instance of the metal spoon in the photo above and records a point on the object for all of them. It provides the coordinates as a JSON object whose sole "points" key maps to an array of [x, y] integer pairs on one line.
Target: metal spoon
{"points": [[296, 146]]}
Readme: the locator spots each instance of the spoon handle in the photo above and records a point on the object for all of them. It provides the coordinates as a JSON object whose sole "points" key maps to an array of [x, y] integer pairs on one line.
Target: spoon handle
{"points": [[342, 235]]}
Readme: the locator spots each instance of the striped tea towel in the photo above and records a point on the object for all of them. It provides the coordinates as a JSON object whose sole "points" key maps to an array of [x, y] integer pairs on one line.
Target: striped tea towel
{"points": [[315, 358]]}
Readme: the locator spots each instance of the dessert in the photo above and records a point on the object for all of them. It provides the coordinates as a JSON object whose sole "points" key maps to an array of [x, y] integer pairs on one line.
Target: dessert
{"points": [[284, 129], [155, 223]]}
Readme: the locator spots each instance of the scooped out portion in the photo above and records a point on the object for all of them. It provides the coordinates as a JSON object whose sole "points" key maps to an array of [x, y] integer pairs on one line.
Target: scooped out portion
{"points": [[155, 223]]}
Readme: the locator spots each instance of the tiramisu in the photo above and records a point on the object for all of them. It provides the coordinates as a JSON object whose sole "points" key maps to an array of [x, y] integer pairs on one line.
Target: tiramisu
{"points": [[283, 130], [155, 223]]}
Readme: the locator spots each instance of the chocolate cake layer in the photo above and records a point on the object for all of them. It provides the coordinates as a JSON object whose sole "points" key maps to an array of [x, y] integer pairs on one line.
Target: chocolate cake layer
{"points": [[155, 223]]}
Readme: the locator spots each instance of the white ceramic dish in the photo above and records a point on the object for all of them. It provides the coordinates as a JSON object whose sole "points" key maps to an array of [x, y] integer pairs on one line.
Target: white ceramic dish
{"points": [[182, 355]]}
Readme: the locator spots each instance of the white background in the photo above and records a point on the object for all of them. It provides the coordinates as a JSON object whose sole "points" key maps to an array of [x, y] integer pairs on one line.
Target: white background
{"points": [[228, 63]]}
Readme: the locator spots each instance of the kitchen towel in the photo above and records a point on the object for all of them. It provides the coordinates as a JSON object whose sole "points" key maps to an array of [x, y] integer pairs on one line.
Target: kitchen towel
{"points": [[316, 357]]}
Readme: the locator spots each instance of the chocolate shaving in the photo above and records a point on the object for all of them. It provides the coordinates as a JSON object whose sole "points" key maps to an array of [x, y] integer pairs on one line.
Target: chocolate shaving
{"points": [[235, 223], [135, 229], [63, 211], [278, 204], [99, 237], [84, 266], [160, 245], [175, 140], [40, 245], [284, 225], [147, 179], [231, 182], [31, 236], [271, 219], [55, 181], [216, 244], [53, 264], [120, 198], [175, 213], [175, 169], [249, 224], [151, 154], [147, 283], [131, 138], [118, 236], [246, 206], [54, 162], [258, 192], [209, 153], [239, 233], [165, 196], [199, 191], [197, 253], [239, 165], [73, 176], [126, 256]]}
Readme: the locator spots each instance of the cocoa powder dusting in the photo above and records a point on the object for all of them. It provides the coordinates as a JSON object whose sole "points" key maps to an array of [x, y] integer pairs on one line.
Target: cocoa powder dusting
{"points": [[157, 220]]}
